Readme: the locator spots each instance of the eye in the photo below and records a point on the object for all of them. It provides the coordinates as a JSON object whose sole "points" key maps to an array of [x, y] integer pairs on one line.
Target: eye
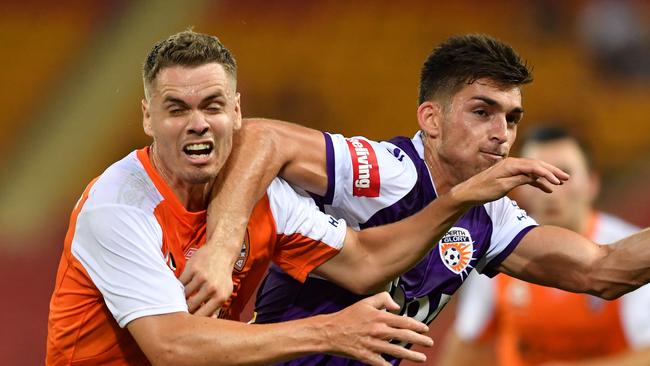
{"points": [[177, 111], [513, 119], [213, 108], [481, 112]]}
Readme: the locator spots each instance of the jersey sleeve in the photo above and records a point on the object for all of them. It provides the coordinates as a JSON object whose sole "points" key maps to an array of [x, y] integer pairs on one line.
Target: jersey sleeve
{"points": [[307, 237], [365, 176], [509, 224], [476, 308], [119, 247]]}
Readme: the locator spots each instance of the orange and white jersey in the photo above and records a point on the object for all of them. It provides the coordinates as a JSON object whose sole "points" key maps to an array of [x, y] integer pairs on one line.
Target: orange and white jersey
{"points": [[129, 239], [532, 324]]}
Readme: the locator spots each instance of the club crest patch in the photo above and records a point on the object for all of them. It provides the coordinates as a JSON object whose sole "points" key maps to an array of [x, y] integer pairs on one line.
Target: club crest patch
{"points": [[243, 253], [456, 249]]}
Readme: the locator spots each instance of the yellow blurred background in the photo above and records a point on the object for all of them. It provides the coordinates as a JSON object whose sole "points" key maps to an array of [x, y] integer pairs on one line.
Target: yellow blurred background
{"points": [[71, 90]]}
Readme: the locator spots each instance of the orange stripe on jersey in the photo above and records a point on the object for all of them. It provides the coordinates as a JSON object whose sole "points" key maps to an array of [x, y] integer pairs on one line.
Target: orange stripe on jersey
{"points": [[298, 259], [81, 329], [78, 318]]}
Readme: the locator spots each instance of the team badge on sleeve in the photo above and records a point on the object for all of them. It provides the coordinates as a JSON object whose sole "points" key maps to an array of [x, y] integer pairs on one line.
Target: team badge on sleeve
{"points": [[243, 253], [456, 249], [365, 181]]}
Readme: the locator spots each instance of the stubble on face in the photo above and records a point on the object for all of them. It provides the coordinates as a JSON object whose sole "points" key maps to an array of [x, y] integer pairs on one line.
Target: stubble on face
{"points": [[194, 112]]}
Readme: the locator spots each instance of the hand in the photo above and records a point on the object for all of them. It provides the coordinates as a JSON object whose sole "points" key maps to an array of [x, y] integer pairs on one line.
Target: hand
{"points": [[364, 330], [499, 179], [207, 278]]}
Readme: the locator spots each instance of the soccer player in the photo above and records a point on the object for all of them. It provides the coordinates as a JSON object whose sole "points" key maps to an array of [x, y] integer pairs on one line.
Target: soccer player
{"points": [[518, 323], [470, 103], [117, 299]]}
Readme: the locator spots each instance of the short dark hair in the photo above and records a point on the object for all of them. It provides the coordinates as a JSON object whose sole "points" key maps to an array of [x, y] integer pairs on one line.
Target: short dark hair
{"points": [[187, 48], [548, 134], [463, 59]]}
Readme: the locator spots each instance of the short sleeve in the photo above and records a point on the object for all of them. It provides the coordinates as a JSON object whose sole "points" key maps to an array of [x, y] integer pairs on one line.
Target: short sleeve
{"points": [[509, 225], [120, 249], [307, 237], [364, 176]]}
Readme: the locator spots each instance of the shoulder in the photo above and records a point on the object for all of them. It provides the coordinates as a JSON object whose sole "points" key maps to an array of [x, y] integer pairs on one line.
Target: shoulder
{"points": [[504, 210], [125, 183]]}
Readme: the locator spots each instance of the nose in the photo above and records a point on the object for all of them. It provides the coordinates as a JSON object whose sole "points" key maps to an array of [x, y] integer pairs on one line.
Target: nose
{"points": [[499, 131], [197, 124]]}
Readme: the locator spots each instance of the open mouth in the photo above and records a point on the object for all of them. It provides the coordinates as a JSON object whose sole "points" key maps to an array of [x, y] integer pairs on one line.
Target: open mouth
{"points": [[198, 150]]}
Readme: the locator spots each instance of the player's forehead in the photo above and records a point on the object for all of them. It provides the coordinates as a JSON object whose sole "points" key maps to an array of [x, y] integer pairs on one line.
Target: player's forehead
{"points": [[507, 97], [192, 82]]}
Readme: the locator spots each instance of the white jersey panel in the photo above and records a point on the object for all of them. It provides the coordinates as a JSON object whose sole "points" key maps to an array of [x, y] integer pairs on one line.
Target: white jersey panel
{"points": [[297, 214], [118, 241], [396, 176], [476, 306], [508, 220]]}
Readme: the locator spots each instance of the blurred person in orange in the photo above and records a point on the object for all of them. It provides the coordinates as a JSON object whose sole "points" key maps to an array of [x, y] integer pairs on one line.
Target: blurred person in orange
{"points": [[505, 321]]}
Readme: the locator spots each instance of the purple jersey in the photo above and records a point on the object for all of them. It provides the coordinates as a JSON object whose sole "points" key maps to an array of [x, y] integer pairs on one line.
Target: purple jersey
{"points": [[374, 183]]}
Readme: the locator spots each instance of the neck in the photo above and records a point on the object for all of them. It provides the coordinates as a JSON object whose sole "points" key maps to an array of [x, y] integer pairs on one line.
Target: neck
{"points": [[438, 169], [192, 196]]}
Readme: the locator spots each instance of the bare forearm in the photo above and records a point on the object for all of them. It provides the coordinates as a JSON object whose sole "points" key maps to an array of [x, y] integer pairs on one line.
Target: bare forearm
{"points": [[384, 252], [624, 268], [206, 341], [241, 183], [262, 149], [608, 271]]}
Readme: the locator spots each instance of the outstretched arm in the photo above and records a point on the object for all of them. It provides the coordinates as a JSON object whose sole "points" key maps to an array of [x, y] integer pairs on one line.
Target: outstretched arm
{"points": [[557, 257], [261, 150], [373, 257], [362, 331]]}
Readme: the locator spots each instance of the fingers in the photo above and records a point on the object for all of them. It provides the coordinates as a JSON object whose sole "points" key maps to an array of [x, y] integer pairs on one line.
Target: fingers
{"points": [[209, 308], [410, 336], [405, 322], [193, 286], [198, 298], [398, 351], [382, 301], [538, 168], [186, 276]]}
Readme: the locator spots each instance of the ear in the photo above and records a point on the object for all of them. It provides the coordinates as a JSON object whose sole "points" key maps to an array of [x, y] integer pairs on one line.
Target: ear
{"points": [[237, 122], [146, 118], [430, 118]]}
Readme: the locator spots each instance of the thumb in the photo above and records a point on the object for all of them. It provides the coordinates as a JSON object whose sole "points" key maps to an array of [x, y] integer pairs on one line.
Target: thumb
{"points": [[382, 301], [186, 275]]}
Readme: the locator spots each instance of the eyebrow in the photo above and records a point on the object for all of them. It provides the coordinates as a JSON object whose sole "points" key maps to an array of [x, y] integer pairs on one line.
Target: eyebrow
{"points": [[491, 102], [174, 100]]}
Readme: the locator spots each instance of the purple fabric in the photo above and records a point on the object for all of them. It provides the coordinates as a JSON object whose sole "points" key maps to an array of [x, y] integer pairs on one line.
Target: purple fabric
{"points": [[421, 291], [490, 268]]}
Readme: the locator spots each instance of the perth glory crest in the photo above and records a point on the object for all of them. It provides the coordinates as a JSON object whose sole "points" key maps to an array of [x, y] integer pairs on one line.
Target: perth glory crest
{"points": [[456, 249]]}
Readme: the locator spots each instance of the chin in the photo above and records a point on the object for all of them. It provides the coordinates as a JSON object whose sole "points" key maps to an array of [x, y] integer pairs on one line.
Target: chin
{"points": [[200, 177]]}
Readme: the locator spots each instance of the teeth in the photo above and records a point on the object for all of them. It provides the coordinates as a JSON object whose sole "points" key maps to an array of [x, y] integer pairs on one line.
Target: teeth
{"points": [[197, 147]]}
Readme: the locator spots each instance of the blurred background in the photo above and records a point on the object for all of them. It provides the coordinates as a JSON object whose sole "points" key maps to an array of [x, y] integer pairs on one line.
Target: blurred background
{"points": [[72, 88]]}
